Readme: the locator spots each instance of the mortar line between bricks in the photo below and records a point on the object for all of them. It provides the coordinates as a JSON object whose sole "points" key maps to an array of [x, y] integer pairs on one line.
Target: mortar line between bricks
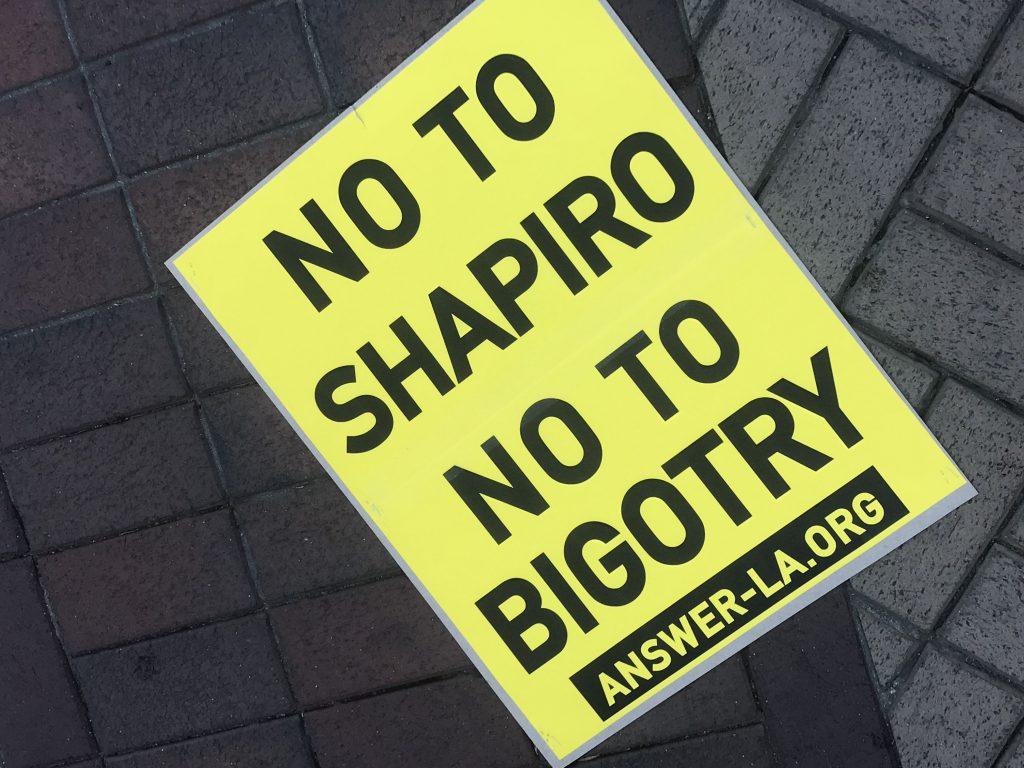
{"points": [[640, 748], [314, 50], [773, 752], [962, 232], [1014, 735], [995, 103], [710, 20]]}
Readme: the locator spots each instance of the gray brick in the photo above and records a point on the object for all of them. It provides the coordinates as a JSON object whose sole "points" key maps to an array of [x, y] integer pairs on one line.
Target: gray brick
{"points": [[207, 89], [987, 442], [1015, 530], [11, 540], [913, 379], [947, 299], [458, 723], [98, 367], [41, 720], [758, 61], [49, 145], [872, 120], [744, 748], [975, 174], [67, 257], [33, 44], [988, 619], [147, 583], [952, 716], [888, 646], [277, 744], [307, 538], [113, 479], [257, 447], [1014, 757], [697, 14], [951, 33], [203, 680], [325, 642], [1003, 78], [208, 361]]}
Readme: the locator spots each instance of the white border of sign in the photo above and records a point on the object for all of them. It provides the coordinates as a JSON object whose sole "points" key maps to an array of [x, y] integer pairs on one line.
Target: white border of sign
{"points": [[931, 515]]}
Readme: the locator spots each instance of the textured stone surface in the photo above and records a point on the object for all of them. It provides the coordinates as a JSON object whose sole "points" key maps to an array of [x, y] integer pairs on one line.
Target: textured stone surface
{"points": [[32, 42], [745, 748], [147, 583], [210, 88], [872, 120], [458, 723], [258, 449], [85, 371], [947, 299], [361, 640], [912, 378], [951, 716], [41, 720], [988, 619], [194, 682], [49, 145], [308, 538], [657, 26], [889, 646], [974, 175], [102, 26], [697, 12], [206, 358], [277, 744], [951, 33], [1014, 757], [808, 660], [11, 540], [1003, 78], [112, 479], [67, 257], [1015, 530], [987, 442], [758, 63]]}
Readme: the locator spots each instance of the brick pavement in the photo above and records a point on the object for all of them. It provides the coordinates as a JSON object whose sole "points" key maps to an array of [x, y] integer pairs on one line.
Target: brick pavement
{"points": [[180, 586]]}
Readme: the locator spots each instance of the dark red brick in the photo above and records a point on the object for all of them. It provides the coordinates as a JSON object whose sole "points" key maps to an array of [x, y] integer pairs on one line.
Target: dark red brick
{"points": [[457, 723], [818, 699], [113, 479], [95, 368], [41, 720], [194, 682], [277, 744], [208, 361], [362, 639], [67, 257], [147, 583], [216, 86], [307, 538], [11, 540], [258, 449], [744, 748], [102, 26], [33, 44], [176, 203], [49, 144]]}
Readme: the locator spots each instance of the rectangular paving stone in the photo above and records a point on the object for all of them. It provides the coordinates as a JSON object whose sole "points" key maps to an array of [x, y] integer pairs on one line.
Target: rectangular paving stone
{"points": [[147, 583], [257, 448], [951, 33], [912, 378], [818, 698], [457, 723], [759, 60], [743, 748], [176, 203], [988, 619], [113, 479], [11, 540], [102, 26], [85, 371], [307, 538], [194, 682], [987, 443], [974, 175], [276, 744], [42, 720], [948, 299], [210, 88], [719, 700], [952, 716], [1003, 78], [66, 257], [362, 639], [33, 44], [206, 358], [49, 144], [867, 128]]}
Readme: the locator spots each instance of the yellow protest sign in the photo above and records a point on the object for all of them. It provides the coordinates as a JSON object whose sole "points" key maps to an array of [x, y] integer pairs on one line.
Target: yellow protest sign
{"points": [[555, 354]]}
